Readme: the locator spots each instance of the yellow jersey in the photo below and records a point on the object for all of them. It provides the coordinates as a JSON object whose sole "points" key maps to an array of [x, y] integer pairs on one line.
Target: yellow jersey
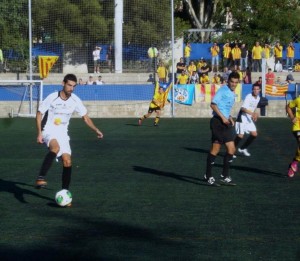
{"points": [[295, 104], [256, 52], [182, 79], [290, 52], [187, 51], [214, 50], [278, 51], [159, 99]]}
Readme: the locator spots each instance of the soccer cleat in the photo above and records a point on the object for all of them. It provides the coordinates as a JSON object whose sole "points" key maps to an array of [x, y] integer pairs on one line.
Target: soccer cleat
{"points": [[140, 122], [234, 156], [69, 205], [291, 173], [244, 152], [155, 124], [226, 181], [211, 181], [40, 182], [294, 166]]}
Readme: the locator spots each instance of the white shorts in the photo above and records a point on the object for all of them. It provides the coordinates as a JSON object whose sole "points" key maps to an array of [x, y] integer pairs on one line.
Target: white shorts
{"points": [[244, 127], [63, 140]]}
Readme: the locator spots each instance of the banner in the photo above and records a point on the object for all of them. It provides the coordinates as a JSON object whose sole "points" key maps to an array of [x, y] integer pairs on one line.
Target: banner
{"points": [[206, 92], [278, 90], [184, 93], [45, 65]]}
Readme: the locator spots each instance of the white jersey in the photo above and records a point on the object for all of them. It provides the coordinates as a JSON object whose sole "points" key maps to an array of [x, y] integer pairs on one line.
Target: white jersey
{"points": [[57, 112], [244, 123], [250, 103]]}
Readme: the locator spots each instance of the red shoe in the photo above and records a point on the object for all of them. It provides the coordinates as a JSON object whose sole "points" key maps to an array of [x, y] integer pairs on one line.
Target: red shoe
{"points": [[140, 122], [291, 173]]}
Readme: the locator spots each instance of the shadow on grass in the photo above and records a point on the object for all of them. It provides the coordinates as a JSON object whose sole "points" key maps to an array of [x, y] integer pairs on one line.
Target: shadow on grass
{"points": [[97, 239], [255, 171], [170, 175], [18, 192]]}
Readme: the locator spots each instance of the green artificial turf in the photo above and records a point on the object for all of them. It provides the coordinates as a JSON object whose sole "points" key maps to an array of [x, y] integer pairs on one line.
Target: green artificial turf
{"points": [[138, 194]]}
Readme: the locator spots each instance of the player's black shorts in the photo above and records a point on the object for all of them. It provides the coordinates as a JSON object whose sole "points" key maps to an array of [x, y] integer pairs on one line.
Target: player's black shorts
{"points": [[220, 132], [153, 109]]}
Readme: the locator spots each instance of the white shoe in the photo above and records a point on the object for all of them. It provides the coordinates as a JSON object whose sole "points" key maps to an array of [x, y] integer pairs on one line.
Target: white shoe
{"points": [[234, 156], [244, 152]]}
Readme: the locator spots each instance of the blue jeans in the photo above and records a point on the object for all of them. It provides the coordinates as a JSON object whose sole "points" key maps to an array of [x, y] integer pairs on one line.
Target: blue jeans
{"points": [[289, 62], [244, 63]]}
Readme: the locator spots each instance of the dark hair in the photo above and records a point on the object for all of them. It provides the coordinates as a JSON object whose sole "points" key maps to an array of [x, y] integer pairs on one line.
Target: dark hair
{"points": [[70, 77], [234, 75]]}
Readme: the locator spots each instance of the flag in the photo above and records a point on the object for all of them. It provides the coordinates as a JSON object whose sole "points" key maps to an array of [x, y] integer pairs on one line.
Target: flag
{"points": [[184, 93], [45, 65], [278, 90]]}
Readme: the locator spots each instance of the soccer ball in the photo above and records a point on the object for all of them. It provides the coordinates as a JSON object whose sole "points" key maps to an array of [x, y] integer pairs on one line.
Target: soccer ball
{"points": [[63, 197]]}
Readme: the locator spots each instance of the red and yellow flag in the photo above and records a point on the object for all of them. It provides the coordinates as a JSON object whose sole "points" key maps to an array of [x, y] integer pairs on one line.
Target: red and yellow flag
{"points": [[278, 90], [45, 65]]}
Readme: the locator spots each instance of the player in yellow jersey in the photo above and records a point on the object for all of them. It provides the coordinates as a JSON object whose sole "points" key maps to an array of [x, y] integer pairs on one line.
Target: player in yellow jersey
{"points": [[158, 102], [293, 111]]}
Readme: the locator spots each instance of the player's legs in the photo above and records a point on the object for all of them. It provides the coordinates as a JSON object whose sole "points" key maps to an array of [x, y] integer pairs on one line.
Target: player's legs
{"points": [[145, 116], [230, 150], [47, 163], [157, 117], [210, 160], [293, 166], [249, 140], [67, 170]]}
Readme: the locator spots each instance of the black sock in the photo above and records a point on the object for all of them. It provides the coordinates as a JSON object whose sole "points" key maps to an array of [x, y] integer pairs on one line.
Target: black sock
{"points": [[66, 177], [48, 160], [210, 161], [250, 139], [226, 164], [237, 141]]}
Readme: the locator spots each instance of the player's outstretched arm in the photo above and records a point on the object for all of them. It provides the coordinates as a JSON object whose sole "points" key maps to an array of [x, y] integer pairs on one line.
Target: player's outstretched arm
{"points": [[91, 124], [38, 119]]}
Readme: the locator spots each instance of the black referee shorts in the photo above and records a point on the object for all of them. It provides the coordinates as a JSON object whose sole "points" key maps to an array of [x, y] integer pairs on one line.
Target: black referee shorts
{"points": [[220, 132]]}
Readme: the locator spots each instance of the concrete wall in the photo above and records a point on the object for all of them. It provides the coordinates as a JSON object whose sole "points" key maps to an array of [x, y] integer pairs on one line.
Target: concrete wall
{"points": [[135, 109]]}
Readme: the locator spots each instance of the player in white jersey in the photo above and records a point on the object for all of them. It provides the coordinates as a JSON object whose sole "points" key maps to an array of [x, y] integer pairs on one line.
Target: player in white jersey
{"points": [[52, 121], [245, 120]]}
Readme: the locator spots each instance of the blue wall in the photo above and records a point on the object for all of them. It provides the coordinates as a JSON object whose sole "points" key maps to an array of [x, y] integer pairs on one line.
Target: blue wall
{"points": [[142, 92]]}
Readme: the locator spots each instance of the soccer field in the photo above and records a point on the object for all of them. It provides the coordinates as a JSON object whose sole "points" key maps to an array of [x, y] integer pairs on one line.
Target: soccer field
{"points": [[138, 194]]}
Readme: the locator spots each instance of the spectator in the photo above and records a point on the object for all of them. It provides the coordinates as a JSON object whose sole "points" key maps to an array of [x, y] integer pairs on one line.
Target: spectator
{"points": [[247, 79], [225, 74], [90, 81], [290, 77], [99, 81], [270, 77], [216, 79], [162, 72], [199, 65], [258, 83], [204, 68], [236, 56], [182, 78], [180, 66], [187, 53], [152, 54], [204, 79], [290, 54], [267, 53], [278, 53], [191, 68], [80, 81], [109, 58], [96, 57], [256, 57], [244, 57], [278, 80], [214, 50], [194, 78], [226, 54]]}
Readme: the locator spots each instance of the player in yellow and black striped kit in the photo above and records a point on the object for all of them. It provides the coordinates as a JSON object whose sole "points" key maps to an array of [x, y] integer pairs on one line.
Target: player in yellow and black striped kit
{"points": [[293, 111], [158, 102]]}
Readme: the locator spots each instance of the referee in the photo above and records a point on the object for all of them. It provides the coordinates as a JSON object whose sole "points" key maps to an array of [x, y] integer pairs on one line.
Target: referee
{"points": [[222, 129]]}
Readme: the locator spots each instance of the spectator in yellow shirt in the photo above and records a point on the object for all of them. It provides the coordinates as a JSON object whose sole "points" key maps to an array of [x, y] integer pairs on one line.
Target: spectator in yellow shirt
{"points": [[267, 53], [290, 54], [191, 68], [182, 78], [204, 79], [256, 57], [236, 56], [216, 79], [187, 53], [162, 72], [278, 53], [214, 50], [226, 54]]}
